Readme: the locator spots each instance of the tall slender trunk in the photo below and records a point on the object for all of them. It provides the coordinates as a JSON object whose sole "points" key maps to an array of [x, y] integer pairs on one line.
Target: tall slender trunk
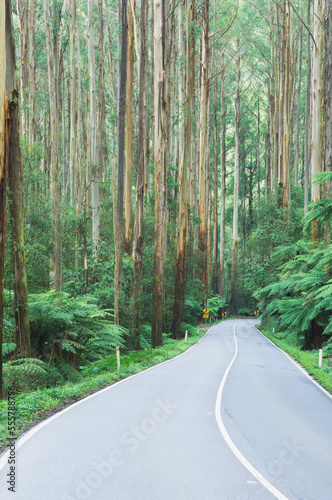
{"points": [[186, 102], [298, 111], [258, 160], [32, 72], [93, 159], [233, 303], [129, 134], [15, 175], [316, 144], [22, 11], [328, 111], [222, 177], [215, 199], [3, 166], [55, 172], [307, 118], [8, 125], [101, 134], [160, 166], [138, 227], [119, 225], [287, 90], [73, 110], [203, 110]]}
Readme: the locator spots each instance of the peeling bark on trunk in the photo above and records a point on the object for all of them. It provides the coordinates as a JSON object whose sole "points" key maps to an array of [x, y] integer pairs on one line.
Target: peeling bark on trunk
{"points": [[160, 177]]}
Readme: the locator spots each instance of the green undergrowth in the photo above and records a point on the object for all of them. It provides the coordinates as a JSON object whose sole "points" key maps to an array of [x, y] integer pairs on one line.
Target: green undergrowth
{"points": [[308, 359], [31, 407]]}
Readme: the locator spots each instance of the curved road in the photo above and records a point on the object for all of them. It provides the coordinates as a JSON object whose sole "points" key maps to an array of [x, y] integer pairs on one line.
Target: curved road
{"points": [[233, 418]]}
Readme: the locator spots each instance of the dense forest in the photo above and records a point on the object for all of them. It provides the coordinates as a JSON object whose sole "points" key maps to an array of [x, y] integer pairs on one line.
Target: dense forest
{"points": [[156, 158]]}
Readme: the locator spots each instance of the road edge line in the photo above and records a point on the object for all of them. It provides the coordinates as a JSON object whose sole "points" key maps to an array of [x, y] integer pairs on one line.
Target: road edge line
{"points": [[36, 428], [298, 365], [264, 482]]}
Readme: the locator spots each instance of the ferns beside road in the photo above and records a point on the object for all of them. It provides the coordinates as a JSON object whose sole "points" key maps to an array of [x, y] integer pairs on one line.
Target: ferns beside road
{"points": [[301, 301], [65, 333]]}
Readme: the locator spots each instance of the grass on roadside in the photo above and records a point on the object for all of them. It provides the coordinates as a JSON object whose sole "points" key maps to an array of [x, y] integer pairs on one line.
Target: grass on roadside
{"points": [[31, 407], [308, 359]]}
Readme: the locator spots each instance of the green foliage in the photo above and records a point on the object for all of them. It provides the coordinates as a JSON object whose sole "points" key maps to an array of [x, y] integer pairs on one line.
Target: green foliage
{"points": [[300, 301], [63, 326], [215, 304], [8, 348]]}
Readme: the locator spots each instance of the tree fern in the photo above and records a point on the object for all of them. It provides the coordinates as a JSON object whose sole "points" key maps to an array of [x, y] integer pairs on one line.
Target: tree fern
{"points": [[301, 301], [59, 323]]}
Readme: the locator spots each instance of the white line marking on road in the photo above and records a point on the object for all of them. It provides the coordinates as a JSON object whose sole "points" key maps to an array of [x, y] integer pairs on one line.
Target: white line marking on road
{"points": [[296, 363], [228, 439], [31, 432]]}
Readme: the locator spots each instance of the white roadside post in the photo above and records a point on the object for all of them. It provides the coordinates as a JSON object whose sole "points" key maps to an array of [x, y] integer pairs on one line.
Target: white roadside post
{"points": [[118, 357], [320, 357], [186, 336]]}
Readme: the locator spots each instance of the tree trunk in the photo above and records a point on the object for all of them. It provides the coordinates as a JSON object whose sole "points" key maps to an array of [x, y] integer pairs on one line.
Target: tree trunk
{"points": [[15, 174], [298, 112], [129, 134], [138, 227], [287, 83], [8, 96], [93, 135], [119, 226], [203, 109], [233, 303], [316, 145], [186, 95], [22, 16], [160, 166], [3, 167], [307, 119], [328, 111], [215, 199], [258, 161], [32, 72], [55, 174], [222, 177], [73, 110]]}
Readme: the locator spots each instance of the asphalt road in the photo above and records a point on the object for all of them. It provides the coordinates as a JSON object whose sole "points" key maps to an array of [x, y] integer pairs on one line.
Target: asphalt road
{"points": [[231, 419]]}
